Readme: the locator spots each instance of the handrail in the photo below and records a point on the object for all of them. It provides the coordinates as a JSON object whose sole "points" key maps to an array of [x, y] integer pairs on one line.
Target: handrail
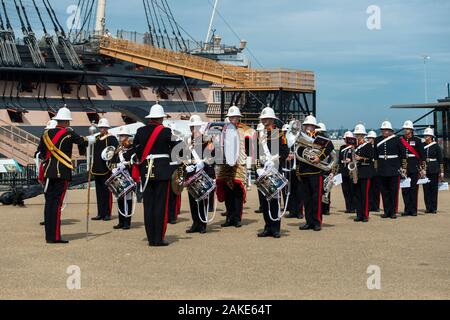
{"points": [[205, 69]]}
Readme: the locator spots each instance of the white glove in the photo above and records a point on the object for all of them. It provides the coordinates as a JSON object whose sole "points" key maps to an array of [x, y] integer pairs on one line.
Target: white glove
{"points": [[91, 140], [121, 166], [260, 172], [190, 169], [269, 165], [199, 166]]}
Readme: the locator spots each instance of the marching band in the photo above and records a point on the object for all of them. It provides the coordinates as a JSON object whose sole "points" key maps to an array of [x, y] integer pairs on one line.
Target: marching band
{"points": [[296, 166]]}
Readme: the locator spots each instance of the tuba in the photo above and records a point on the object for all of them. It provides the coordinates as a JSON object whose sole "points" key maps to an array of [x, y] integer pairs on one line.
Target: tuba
{"points": [[311, 149]]}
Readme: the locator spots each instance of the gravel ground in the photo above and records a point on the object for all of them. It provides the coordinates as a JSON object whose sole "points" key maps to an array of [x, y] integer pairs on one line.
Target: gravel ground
{"points": [[413, 255]]}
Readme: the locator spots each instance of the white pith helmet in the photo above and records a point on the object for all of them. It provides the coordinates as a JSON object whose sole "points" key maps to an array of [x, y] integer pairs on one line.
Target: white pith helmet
{"points": [[103, 123], [195, 121], [124, 131], [156, 112], [429, 132], [234, 112], [51, 125], [310, 120], [372, 134], [63, 114], [386, 125], [360, 129], [408, 125], [321, 127], [267, 113], [348, 134]]}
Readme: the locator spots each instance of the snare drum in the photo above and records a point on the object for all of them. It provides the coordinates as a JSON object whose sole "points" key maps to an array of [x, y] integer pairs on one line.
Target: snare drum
{"points": [[120, 183], [270, 183], [200, 185]]}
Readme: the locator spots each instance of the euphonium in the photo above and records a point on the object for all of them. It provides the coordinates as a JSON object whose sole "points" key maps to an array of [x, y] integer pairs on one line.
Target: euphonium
{"points": [[312, 150], [353, 167]]}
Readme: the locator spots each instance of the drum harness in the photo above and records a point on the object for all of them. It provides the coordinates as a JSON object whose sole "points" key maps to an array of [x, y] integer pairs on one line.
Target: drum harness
{"points": [[205, 205], [125, 198], [268, 156]]}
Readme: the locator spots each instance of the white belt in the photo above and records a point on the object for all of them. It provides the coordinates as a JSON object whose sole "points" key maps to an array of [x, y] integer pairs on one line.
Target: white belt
{"points": [[157, 156], [411, 156], [432, 160], [389, 157]]}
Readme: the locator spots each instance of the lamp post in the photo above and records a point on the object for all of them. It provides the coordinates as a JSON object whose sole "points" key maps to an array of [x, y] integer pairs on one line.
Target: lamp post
{"points": [[425, 58]]}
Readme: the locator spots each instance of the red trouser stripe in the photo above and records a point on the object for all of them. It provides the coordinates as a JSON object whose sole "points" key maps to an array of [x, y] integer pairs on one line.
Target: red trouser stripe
{"points": [[110, 203], [319, 206], [166, 212], [58, 216], [366, 208]]}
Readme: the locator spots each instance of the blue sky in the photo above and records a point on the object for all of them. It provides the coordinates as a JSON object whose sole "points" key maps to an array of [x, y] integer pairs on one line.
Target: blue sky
{"points": [[360, 73]]}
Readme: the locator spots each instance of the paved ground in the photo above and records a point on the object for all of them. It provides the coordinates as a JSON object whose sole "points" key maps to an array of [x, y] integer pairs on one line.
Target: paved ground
{"points": [[413, 254]]}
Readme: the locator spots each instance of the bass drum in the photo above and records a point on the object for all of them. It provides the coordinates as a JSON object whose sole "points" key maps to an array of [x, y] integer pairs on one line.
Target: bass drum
{"points": [[225, 137]]}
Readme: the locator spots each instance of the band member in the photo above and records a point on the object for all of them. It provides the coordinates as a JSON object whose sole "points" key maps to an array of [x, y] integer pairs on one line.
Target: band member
{"points": [[122, 160], [389, 154], [312, 179], [55, 152], [374, 192], [153, 145], [201, 148], [345, 156], [322, 131], [435, 171], [101, 172], [50, 125], [364, 156], [415, 167], [295, 203], [231, 179], [272, 149]]}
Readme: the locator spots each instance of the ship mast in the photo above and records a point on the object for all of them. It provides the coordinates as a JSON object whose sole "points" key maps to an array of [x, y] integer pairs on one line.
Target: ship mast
{"points": [[100, 20], [211, 23]]}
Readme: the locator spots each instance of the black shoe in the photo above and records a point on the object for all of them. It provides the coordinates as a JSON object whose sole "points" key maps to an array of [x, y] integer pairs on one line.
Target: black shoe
{"points": [[259, 210], [404, 214], [97, 218], [276, 235], [394, 216], [348, 211], [365, 220], [42, 223], [172, 222], [192, 230], [202, 230], [385, 216], [414, 214], [292, 215], [159, 244], [119, 226], [306, 227], [434, 212], [326, 213], [224, 214], [57, 241], [126, 228], [301, 216], [358, 220], [428, 211], [227, 224], [238, 224], [317, 228], [264, 234], [107, 218]]}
